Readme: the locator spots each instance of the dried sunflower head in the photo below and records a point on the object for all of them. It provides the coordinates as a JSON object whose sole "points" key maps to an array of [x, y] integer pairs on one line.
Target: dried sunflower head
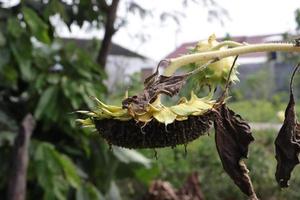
{"points": [[156, 126]]}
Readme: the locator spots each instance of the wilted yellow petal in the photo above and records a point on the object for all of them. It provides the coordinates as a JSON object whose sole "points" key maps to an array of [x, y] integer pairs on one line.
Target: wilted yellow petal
{"points": [[181, 118], [199, 103], [110, 108], [114, 114], [165, 116], [85, 122], [145, 117], [182, 100], [199, 113], [183, 109], [88, 113]]}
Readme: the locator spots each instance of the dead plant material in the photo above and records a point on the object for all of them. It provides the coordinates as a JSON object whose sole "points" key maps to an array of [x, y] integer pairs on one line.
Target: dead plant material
{"points": [[233, 136], [162, 190], [154, 85], [130, 134], [287, 143], [157, 84]]}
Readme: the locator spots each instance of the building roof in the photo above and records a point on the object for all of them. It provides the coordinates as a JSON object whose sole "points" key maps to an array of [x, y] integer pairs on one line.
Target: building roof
{"points": [[251, 57], [116, 49]]}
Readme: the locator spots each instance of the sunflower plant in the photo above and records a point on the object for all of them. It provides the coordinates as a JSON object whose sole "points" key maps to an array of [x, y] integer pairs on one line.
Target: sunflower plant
{"points": [[143, 121]]}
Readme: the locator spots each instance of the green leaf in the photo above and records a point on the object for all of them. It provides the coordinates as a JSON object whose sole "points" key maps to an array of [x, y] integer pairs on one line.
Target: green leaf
{"points": [[55, 7], [14, 27], [70, 171], [10, 76], [21, 50], [2, 39], [49, 96], [128, 155], [37, 26], [54, 171], [70, 89], [88, 191], [40, 82], [147, 175], [4, 57]]}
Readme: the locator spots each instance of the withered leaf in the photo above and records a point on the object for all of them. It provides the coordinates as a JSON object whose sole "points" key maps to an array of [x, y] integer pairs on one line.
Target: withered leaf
{"points": [[155, 84], [287, 144], [233, 136]]}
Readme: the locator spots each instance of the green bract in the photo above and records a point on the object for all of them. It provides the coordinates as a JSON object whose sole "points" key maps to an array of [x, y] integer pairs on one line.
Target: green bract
{"points": [[217, 72]]}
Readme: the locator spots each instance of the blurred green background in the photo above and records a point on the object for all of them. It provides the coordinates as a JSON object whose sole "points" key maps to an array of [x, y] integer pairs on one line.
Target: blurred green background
{"points": [[42, 74]]}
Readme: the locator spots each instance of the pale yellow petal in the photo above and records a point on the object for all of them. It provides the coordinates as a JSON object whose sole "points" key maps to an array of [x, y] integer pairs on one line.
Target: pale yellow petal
{"points": [[145, 117], [165, 116], [183, 109], [181, 118]]}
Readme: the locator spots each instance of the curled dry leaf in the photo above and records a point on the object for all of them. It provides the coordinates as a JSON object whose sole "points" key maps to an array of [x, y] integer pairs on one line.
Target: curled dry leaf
{"points": [[287, 143], [153, 86], [233, 136]]}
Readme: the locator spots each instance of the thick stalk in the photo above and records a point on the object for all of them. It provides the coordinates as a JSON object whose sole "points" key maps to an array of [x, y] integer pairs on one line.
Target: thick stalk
{"points": [[176, 63]]}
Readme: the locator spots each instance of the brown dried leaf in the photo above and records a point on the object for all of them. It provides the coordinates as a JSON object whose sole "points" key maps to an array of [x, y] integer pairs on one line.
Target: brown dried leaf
{"points": [[287, 144], [233, 136], [155, 85]]}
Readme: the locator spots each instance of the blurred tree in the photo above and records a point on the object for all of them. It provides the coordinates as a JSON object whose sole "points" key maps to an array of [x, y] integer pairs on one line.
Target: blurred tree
{"points": [[105, 15]]}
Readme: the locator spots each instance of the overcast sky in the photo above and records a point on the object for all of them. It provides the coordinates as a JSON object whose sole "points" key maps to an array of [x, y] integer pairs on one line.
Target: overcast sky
{"points": [[247, 17]]}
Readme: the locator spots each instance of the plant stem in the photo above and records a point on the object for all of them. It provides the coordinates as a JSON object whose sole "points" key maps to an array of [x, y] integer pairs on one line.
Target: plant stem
{"points": [[176, 63], [227, 43]]}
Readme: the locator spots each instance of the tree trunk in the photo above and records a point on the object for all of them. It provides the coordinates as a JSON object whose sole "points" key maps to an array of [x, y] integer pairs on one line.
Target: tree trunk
{"points": [[111, 14], [17, 179]]}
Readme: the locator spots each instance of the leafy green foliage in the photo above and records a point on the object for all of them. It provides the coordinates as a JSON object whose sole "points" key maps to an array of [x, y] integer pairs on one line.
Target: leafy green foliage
{"points": [[257, 110], [55, 174], [38, 27]]}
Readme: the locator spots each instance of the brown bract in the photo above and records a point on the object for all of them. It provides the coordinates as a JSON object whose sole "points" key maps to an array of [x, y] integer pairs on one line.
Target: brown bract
{"points": [[153, 86], [287, 143], [233, 136]]}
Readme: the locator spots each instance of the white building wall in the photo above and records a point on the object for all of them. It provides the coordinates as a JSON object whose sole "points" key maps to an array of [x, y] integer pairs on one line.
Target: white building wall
{"points": [[119, 68]]}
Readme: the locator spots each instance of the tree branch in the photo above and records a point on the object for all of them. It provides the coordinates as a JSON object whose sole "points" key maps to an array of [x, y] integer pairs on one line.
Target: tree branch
{"points": [[17, 180], [109, 32], [104, 6]]}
